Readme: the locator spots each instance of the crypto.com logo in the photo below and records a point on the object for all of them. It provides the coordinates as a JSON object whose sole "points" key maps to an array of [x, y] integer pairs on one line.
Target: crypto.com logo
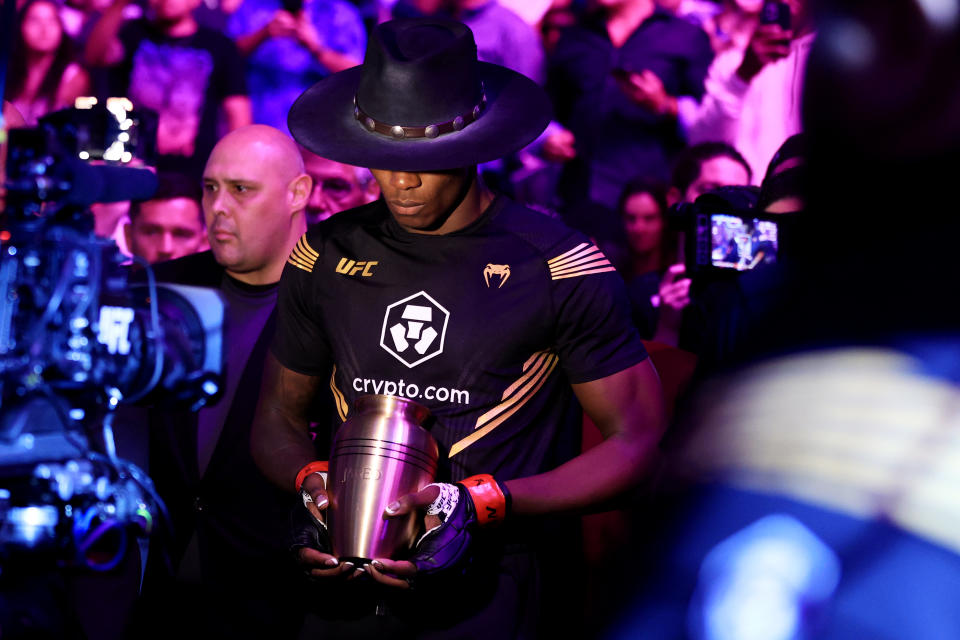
{"points": [[414, 329]]}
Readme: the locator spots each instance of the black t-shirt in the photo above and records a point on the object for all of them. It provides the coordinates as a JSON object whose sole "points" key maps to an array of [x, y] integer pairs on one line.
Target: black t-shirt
{"points": [[617, 138], [184, 80], [487, 327], [249, 307]]}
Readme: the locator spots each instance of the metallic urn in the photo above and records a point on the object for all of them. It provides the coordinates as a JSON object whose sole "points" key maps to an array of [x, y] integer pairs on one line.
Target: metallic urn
{"points": [[380, 453]]}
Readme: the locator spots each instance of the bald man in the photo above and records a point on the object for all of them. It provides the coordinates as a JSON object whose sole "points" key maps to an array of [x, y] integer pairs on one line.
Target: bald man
{"points": [[229, 551]]}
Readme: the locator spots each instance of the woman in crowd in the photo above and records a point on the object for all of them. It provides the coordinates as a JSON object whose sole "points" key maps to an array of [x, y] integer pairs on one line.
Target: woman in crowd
{"points": [[653, 280], [44, 75]]}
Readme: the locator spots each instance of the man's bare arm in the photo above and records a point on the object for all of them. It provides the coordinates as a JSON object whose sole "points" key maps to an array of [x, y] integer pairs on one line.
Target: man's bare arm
{"points": [[280, 439], [103, 47], [281, 446], [627, 407], [238, 111]]}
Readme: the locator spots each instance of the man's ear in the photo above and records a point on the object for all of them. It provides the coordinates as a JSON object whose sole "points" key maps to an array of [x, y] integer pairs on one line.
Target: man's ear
{"points": [[128, 234], [299, 192], [371, 191]]}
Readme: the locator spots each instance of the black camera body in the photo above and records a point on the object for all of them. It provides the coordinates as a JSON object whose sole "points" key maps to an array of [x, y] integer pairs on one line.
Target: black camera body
{"points": [[725, 235], [77, 339]]}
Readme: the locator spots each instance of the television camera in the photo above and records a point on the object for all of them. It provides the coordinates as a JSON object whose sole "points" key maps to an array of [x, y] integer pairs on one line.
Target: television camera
{"points": [[78, 338], [725, 234]]}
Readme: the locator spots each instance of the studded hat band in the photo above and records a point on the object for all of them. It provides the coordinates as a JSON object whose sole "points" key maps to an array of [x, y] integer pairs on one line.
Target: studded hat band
{"points": [[430, 131]]}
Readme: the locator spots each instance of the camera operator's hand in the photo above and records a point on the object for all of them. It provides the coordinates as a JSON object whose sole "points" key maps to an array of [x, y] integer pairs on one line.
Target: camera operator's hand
{"points": [[769, 42], [674, 288], [311, 542]]}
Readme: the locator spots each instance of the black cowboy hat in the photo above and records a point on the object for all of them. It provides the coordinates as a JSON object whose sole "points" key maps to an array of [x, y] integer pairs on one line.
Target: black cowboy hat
{"points": [[420, 101]]}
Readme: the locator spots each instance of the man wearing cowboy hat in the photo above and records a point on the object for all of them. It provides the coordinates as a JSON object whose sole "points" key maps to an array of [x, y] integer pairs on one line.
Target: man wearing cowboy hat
{"points": [[496, 318]]}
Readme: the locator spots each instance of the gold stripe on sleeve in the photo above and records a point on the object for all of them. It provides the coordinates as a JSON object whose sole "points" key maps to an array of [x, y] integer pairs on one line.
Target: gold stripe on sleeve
{"points": [[304, 246]]}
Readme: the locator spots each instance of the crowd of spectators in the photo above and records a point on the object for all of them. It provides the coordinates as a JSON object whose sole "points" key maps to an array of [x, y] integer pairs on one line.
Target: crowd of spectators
{"points": [[633, 83], [657, 103]]}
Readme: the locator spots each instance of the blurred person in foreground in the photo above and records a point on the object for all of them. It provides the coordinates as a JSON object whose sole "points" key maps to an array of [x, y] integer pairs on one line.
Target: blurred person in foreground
{"points": [[229, 557], [819, 499], [336, 186], [170, 225]]}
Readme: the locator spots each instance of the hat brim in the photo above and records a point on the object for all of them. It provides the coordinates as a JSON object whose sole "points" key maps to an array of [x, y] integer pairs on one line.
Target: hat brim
{"points": [[322, 120]]}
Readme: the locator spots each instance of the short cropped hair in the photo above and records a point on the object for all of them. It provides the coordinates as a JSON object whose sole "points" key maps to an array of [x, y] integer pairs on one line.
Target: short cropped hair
{"points": [[690, 162], [170, 186]]}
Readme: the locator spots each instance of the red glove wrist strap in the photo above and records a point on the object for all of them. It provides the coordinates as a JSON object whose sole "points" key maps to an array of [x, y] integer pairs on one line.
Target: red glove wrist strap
{"points": [[490, 498], [317, 466]]}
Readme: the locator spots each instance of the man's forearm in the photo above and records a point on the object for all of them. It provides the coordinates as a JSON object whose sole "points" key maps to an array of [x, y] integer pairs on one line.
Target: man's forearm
{"points": [[333, 60], [246, 44], [238, 111], [628, 410], [280, 438], [280, 447], [103, 36], [591, 479]]}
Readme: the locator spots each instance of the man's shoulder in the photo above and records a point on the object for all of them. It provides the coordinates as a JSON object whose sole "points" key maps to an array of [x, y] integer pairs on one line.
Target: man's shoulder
{"points": [[545, 233], [198, 269], [346, 223]]}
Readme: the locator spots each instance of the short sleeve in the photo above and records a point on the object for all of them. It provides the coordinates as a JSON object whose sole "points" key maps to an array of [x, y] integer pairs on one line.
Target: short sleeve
{"points": [[594, 334], [300, 342]]}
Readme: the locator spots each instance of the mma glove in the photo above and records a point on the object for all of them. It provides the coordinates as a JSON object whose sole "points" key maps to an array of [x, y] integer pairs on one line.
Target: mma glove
{"points": [[305, 528], [463, 508]]}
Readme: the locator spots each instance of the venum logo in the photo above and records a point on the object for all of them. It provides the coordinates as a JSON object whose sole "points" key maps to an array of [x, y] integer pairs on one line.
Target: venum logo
{"points": [[501, 271], [414, 329]]}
